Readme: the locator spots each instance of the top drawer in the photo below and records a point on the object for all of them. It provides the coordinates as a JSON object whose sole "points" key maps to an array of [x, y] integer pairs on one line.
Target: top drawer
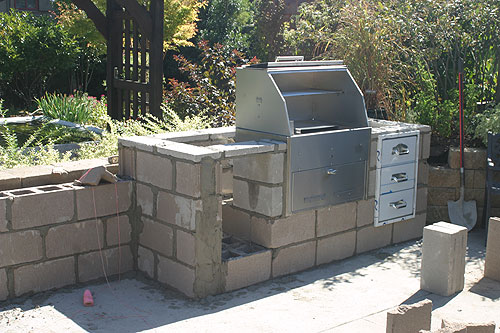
{"points": [[398, 150]]}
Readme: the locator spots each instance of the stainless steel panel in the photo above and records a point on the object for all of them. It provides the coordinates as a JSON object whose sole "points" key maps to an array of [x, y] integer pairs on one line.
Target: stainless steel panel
{"points": [[397, 178], [395, 205], [399, 150], [310, 151], [327, 186]]}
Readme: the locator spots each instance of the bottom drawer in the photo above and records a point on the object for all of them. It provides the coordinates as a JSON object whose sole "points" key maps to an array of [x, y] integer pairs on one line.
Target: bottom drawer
{"points": [[328, 186], [395, 205]]}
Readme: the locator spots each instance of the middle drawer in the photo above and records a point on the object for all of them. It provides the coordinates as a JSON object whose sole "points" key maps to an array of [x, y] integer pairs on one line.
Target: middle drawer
{"points": [[397, 178]]}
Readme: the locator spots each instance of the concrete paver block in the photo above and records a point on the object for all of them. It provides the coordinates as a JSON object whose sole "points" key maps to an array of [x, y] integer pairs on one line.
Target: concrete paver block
{"points": [[421, 205], [365, 212], [118, 230], [44, 276], [281, 232], [444, 177], [410, 318], [248, 270], [471, 327], [20, 247], [74, 238], [372, 179], [373, 154], [178, 210], [492, 261], [187, 151], [145, 199], [423, 172], [336, 219], [226, 180], [115, 261], [4, 291], [185, 246], [371, 238], [126, 162], [267, 168], [425, 145], [188, 179], [154, 170], [235, 222], [146, 261], [157, 236], [336, 247], [409, 229], [293, 259], [105, 197], [258, 198], [45, 207], [176, 275], [3, 214], [443, 258]]}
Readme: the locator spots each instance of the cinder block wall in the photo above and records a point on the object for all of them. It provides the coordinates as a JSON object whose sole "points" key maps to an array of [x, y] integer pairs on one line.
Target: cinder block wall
{"points": [[444, 185], [50, 237], [320, 236]]}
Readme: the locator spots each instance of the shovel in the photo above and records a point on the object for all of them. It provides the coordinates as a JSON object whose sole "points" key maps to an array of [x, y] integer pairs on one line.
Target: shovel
{"points": [[462, 212]]}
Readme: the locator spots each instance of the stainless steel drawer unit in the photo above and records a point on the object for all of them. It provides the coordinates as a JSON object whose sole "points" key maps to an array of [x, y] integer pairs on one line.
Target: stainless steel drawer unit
{"points": [[318, 109], [396, 182]]}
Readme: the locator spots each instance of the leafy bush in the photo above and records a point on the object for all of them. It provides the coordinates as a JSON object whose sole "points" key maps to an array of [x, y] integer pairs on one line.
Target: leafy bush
{"points": [[32, 49], [489, 121], [74, 108], [213, 90]]}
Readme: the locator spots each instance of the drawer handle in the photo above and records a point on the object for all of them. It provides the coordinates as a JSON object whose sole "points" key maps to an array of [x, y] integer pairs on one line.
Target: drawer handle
{"points": [[398, 204], [399, 177], [400, 149], [331, 172]]}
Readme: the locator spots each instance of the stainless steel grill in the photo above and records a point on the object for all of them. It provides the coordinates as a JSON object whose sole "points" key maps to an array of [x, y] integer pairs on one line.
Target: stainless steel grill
{"points": [[318, 109]]}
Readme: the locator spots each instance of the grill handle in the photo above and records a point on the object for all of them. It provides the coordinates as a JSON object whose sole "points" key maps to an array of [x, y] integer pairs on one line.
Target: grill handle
{"points": [[400, 149], [399, 177], [398, 204], [331, 172]]}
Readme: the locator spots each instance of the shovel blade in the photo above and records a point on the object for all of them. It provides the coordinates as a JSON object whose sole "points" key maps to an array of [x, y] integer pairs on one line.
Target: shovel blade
{"points": [[463, 213]]}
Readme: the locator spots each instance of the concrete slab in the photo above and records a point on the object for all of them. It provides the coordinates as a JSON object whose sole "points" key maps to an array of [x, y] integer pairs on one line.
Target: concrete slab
{"points": [[352, 295]]}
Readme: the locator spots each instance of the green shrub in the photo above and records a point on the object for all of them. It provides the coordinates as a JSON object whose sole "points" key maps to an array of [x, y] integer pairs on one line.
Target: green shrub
{"points": [[79, 108], [33, 48], [489, 121]]}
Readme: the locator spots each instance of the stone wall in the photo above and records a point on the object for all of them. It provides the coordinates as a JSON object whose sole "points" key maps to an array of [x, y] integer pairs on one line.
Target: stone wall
{"points": [[444, 185], [50, 236]]}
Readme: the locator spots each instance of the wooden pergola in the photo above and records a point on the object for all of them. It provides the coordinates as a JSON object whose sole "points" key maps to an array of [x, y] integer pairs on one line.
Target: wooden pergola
{"points": [[134, 39]]}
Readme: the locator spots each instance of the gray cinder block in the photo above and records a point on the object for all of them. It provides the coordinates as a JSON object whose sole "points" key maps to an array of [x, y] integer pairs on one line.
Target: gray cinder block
{"points": [[410, 318]]}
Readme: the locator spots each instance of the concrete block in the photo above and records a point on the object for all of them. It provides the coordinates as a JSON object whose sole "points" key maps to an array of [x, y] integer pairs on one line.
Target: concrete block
{"points": [[373, 154], [293, 259], [443, 258], [105, 198], [245, 271], [479, 179], [471, 327], [143, 143], [372, 179], [154, 170], [258, 198], [9, 181], [146, 261], [118, 230], [492, 261], [476, 195], [4, 290], [145, 199], [423, 172], [267, 168], [409, 229], [188, 179], [245, 148], [365, 212], [184, 136], [185, 246], [157, 237], [54, 204], [371, 238], [444, 177], [20, 247], [281, 232], [425, 145], [439, 196], [3, 213], [475, 158], [227, 180], [421, 205], [410, 318], [187, 152], [74, 238], [337, 218], [336, 247], [115, 261], [454, 158], [469, 178], [44, 276], [30, 176], [178, 210], [437, 213], [176, 275], [235, 222], [126, 162]]}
